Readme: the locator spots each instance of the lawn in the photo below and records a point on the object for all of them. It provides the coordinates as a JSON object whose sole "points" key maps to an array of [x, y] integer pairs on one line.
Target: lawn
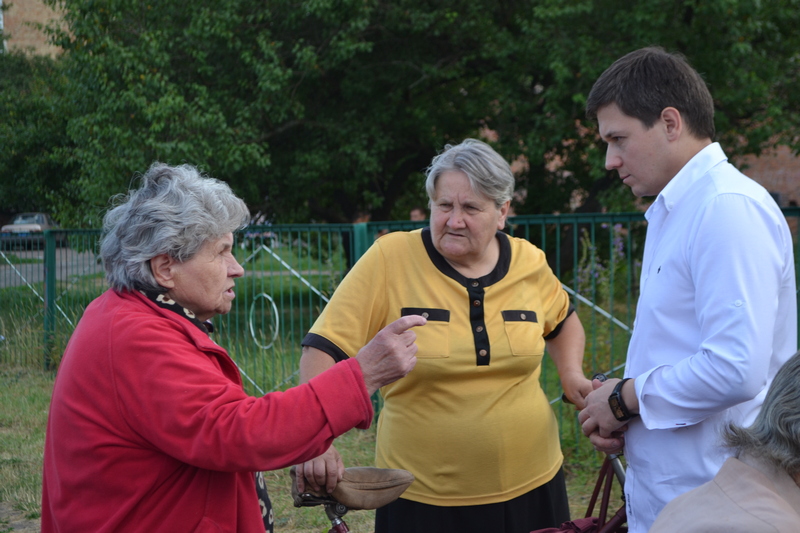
{"points": [[25, 396]]}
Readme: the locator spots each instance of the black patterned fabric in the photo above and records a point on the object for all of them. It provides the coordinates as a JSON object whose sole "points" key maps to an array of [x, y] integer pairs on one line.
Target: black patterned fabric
{"points": [[165, 302], [264, 503]]}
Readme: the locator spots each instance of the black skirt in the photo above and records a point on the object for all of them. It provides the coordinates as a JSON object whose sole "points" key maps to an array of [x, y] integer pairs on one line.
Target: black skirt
{"points": [[545, 506]]}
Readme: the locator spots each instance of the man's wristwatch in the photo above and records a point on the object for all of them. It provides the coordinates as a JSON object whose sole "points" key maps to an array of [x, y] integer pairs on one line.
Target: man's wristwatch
{"points": [[617, 405]]}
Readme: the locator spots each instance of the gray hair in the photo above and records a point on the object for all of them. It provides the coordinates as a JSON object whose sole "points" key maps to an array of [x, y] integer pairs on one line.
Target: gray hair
{"points": [[774, 436], [489, 174], [174, 212]]}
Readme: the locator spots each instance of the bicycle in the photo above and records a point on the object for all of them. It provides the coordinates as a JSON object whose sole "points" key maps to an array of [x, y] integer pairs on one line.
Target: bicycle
{"points": [[612, 468]]}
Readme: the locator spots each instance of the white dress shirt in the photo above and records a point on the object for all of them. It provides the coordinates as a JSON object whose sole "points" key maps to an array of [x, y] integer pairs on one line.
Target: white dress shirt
{"points": [[716, 318]]}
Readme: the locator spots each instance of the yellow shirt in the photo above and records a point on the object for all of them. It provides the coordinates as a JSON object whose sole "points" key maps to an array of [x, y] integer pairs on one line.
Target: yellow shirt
{"points": [[471, 421]]}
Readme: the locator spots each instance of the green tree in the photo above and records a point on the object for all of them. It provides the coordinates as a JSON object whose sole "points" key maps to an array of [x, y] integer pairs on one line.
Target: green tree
{"points": [[32, 132], [312, 110], [325, 109], [746, 50]]}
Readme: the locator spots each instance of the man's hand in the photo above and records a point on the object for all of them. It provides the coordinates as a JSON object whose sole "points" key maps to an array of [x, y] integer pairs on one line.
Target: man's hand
{"points": [[391, 354], [597, 421], [323, 471]]}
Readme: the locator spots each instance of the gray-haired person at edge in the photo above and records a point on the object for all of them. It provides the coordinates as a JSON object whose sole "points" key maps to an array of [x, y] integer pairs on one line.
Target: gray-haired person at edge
{"points": [[149, 427], [471, 422], [717, 309], [758, 489]]}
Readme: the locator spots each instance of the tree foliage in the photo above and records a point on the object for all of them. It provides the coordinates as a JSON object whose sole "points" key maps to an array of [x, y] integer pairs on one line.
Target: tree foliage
{"points": [[32, 131], [326, 109], [746, 50]]}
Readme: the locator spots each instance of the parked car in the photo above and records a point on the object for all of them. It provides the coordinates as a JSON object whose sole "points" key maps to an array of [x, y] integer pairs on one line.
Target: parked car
{"points": [[27, 231]]}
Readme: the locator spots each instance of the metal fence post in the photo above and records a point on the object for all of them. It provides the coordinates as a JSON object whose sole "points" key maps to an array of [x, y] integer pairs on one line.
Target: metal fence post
{"points": [[49, 296], [361, 240]]}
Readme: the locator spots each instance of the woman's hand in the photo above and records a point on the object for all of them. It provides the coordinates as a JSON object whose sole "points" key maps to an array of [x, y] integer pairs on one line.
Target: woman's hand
{"points": [[576, 388], [324, 471], [391, 354], [566, 351]]}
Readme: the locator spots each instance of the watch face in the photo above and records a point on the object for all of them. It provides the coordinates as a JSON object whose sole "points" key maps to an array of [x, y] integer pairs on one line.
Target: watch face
{"points": [[616, 409]]}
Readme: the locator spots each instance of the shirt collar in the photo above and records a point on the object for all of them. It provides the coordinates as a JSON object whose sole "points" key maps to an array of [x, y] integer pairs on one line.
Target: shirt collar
{"points": [[165, 302], [697, 167], [498, 273]]}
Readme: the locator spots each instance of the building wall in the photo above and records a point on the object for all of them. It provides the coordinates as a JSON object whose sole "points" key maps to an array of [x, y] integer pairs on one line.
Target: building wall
{"points": [[778, 170], [19, 30]]}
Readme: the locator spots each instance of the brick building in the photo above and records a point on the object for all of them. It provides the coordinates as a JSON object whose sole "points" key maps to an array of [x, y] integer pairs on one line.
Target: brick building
{"points": [[778, 170], [19, 26]]}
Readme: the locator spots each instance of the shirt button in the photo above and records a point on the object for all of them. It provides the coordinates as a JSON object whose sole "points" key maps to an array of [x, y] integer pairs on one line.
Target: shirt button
{"points": [[475, 283], [522, 316], [738, 303], [482, 353], [476, 303], [424, 315], [479, 329]]}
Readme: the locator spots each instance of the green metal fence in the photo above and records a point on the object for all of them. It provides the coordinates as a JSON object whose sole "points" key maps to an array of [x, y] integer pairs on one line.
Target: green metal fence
{"points": [[291, 272]]}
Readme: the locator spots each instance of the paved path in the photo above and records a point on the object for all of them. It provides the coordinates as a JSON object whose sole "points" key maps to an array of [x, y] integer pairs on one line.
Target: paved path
{"points": [[68, 263]]}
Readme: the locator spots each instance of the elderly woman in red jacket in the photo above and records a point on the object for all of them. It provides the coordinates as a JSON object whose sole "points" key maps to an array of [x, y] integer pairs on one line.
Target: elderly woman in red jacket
{"points": [[149, 426]]}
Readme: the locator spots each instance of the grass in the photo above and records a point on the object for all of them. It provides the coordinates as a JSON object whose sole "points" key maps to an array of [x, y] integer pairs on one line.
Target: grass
{"points": [[14, 259], [25, 396]]}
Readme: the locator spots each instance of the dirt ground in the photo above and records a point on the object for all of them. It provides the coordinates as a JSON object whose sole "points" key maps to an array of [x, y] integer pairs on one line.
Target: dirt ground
{"points": [[14, 521]]}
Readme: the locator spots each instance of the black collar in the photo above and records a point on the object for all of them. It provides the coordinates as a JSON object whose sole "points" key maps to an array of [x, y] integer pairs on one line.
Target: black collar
{"points": [[498, 273], [165, 302]]}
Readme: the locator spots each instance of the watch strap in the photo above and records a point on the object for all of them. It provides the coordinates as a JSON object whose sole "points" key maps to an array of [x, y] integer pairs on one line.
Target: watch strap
{"points": [[617, 404]]}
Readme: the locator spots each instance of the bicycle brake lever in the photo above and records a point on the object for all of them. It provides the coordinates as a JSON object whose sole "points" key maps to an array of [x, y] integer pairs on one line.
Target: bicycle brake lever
{"points": [[307, 499]]}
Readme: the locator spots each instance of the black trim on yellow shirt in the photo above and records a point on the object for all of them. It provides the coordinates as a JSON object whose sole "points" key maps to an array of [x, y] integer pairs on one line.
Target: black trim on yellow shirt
{"points": [[519, 316], [475, 290], [321, 343], [499, 272], [553, 334], [475, 294], [437, 315]]}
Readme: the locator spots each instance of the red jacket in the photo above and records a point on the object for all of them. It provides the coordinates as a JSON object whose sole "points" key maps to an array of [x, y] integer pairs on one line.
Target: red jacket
{"points": [[150, 430]]}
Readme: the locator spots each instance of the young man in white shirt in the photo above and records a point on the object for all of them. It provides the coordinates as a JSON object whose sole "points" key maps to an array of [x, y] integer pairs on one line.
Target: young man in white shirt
{"points": [[717, 311]]}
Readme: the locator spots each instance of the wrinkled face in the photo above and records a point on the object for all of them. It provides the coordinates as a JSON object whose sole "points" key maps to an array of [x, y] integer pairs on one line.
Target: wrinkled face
{"points": [[640, 155], [204, 283], [463, 223]]}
